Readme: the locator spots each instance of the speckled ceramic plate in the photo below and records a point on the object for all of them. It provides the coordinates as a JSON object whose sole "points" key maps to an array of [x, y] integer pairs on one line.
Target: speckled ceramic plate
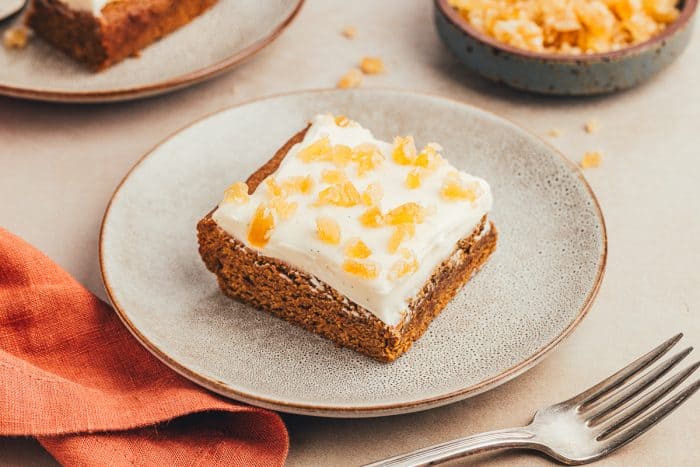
{"points": [[531, 294], [222, 37]]}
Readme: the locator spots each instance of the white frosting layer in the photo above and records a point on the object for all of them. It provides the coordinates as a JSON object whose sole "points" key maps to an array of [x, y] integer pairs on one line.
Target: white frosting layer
{"points": [[295, 240], [93, 6]]}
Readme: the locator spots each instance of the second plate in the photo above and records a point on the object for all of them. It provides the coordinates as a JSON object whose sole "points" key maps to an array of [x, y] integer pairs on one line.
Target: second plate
{"points": [[225, 35]]}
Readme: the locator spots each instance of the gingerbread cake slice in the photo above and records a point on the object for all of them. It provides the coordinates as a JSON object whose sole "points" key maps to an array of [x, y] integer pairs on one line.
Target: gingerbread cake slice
{"points": [[101, 33], [358, 240]]}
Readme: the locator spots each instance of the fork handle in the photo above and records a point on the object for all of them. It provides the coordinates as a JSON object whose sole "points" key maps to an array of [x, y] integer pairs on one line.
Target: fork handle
{"points": [[461, 447]]}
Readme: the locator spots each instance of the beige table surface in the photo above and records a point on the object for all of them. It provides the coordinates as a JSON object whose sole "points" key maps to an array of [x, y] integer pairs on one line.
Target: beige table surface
{"points": [[60, 163]]}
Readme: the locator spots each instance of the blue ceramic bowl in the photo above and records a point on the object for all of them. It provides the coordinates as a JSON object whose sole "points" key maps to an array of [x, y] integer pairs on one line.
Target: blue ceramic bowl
{"points": [[563, 74]]}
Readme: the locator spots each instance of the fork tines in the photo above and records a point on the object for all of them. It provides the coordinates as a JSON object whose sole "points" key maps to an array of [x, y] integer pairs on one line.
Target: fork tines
{"points": [[631, 401]]}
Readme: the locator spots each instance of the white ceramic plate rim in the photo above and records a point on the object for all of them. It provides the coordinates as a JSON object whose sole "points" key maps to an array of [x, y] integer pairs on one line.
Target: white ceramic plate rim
{"points": [[367, 411], [158, 87]]}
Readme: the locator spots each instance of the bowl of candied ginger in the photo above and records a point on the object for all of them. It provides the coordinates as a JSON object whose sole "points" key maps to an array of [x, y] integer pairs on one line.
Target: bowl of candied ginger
{"points": [[566, 47]]}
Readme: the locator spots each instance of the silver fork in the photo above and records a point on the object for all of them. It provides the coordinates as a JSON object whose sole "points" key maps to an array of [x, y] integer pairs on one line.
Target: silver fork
{"points": [[588, 426]]}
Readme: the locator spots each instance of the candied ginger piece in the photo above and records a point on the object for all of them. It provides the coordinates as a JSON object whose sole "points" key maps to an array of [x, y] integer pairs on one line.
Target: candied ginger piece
{"points": [[261, 226], [560, 20], [407, 213], [592, 126], [454, 189], [372, 217], [305, 185], [414, 178], [333, 176], [341, 194], [372, 65], [591, 159], [408, 264], [351, 79], [298, 184], [349, 32], [429, 158], [319, 150], [283, 208], [327, 230], [663, 11], [342, 155], [357, 249], [363, 150], [368, 164], [363, 269], [401, 233], [521, 33], [596, 17], [237, 193], [342, 121], [623, 9], [368, 157], [404, 152], [273, 188], [373, 194], [16, 37], [641, 27]]}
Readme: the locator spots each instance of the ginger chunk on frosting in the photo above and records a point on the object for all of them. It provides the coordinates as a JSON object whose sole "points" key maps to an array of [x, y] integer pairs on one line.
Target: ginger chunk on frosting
{"points": [[261, 226]]}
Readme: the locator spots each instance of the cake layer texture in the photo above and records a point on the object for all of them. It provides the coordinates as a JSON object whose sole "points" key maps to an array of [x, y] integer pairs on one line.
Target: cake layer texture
{"points": [[120, 29]]}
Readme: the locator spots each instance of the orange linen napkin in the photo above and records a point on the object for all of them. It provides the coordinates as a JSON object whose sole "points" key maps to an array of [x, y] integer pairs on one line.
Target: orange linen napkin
{"points": [[73, 377]]}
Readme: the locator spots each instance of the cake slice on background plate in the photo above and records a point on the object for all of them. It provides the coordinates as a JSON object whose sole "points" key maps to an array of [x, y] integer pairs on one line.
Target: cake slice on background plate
{"points": [[361, 241], [100, 33]]}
